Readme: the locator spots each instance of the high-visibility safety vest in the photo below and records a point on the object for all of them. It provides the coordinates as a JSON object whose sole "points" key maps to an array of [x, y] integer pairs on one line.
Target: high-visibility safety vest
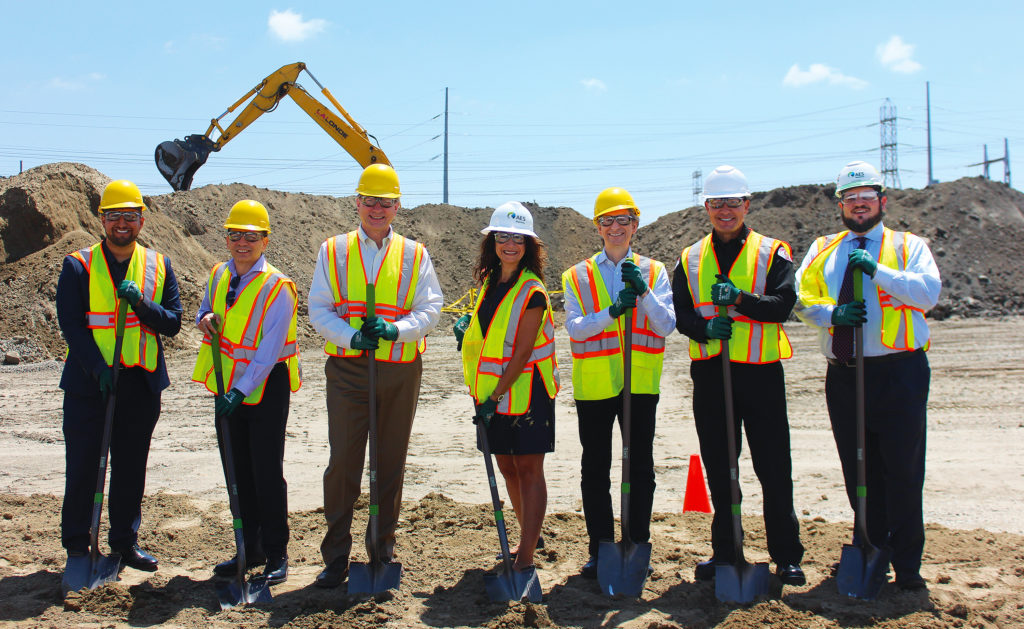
{"points": [[485, 357], [597, 362], [148, 270], [395, 287], [243, 329], [897, 329], [752, 341]]}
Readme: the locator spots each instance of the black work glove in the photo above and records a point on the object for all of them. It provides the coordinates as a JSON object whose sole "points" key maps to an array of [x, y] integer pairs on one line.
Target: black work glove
{"points": [[852, 314], [724, 293], [625, 301], [130, 290], [460, 328], [485, 411], [106, 382], [360, 341], [719, 328], [631, 275], [228, 403]]}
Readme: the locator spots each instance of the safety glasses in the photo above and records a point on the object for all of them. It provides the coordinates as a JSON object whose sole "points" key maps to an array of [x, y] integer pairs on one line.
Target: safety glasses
{"points": [[375, 201], [733, 202], [130, 216], [608, 221], [249, 236], [863, 195], [503, 237]]}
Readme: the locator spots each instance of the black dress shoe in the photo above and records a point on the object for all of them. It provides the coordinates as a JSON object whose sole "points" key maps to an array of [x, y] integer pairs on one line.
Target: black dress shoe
{"points": [[589, 569], [135, 557], [910, 582], [334, 574], [276, 571], [705, 570], [791, 574], [229, 568]]}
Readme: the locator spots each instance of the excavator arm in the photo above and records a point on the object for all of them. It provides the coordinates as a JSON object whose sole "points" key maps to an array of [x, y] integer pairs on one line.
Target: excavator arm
{"points": [[178, 160]]}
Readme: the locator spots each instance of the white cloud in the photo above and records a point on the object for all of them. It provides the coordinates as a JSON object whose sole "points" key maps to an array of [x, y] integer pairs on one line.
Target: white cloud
{"points": [[169, 47], [289, 26], [819, 72], [896, 54], [594, 85], [75, 84]]}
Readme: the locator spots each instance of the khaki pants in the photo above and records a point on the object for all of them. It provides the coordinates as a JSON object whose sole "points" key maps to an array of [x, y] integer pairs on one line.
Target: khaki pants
{"points": [[398, 387]]}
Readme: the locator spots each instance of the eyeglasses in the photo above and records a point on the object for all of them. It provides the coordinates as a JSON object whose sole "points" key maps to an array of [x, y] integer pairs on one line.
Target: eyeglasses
{"points": [[503, 237], [715, 204], [129, 216], [375, 201], [863, 195], [608, 221], [249, 236], [233, 287]]}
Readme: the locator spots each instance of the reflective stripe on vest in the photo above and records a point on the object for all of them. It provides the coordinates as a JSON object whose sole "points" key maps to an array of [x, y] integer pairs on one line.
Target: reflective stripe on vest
{"points": [[752, 341], [148, 270], [394, 289], [597, 367]]}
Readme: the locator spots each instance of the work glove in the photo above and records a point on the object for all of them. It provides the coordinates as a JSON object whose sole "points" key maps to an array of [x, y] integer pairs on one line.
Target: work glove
{"points": [[631, 275], [361, 341], [861, 259], [460, 328], [106, 381], [485, 411], [724, 293], [625, 301], [377, 328], [228, 403], [130, 290], [719, 328], [852, 314]]}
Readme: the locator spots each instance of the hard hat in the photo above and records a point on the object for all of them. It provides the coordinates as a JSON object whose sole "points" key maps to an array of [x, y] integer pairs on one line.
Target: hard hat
{"points": [[379, 180], [248, 215], [121, 194], [857, 174], [512, 217], [612, 199], [726, 182]]}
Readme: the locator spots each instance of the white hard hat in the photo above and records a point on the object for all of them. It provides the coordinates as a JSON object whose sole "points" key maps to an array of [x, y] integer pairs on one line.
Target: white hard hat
{"points": [[511, 217], [725, 182], [857, 174]]}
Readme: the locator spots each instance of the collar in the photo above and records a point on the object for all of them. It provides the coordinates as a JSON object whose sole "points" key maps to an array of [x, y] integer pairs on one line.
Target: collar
{"points": [[259, 267], [874, 234], [366, 240], [742, 238], [602, 258]]}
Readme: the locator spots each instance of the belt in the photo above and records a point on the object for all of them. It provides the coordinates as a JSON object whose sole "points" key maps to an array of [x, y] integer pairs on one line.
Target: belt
{"points": [[868, 360]]}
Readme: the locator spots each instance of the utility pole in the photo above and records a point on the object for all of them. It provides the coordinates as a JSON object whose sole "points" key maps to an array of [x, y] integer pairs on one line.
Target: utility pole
{"points": [[698, 187], [1005, 159], [928, 109], [887, 124], [444, 197]]}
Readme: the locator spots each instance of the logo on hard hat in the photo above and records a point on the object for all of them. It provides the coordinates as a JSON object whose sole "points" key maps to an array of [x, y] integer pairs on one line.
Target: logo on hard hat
{"points": [[519, 218], [856, 174]]}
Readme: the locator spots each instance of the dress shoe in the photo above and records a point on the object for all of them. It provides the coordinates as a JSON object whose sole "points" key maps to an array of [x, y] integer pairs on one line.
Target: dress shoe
{"points": [[705, 570], [333, 575], [589, 569], [229, 568], [910, 582], [790, 574], [135, 557], [276, 571]]}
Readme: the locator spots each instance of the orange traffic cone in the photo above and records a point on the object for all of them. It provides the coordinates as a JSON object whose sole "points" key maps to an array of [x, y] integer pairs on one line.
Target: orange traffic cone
{"points": [[696, 496]]}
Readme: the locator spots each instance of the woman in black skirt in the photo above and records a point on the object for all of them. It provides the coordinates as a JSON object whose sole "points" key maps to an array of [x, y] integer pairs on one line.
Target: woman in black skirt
{"points": [[508, 359]]}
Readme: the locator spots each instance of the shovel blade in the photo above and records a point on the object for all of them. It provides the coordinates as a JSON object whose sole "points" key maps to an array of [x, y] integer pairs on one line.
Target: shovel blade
{"points": [[510, 585], [741, 582], [234, 593], [89, 573], [622, 568], [863, 570], [373, 577]]}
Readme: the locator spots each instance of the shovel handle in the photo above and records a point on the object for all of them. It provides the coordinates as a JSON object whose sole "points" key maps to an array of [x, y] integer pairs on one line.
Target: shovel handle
{"points": [[371, 377], [627, 421], [730, 440], [860, 515], [229, 467]]}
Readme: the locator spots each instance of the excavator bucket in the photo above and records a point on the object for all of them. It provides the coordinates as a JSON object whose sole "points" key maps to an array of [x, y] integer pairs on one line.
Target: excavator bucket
{"points": [[178, 160]]}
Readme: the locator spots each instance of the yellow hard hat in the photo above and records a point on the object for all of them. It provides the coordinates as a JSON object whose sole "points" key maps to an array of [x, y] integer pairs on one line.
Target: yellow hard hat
{"points": [[121, 194], [248, 215], [612, 199], [379, 180]]}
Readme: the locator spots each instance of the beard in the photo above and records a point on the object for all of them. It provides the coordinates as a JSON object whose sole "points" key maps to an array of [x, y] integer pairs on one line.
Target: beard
{"points": [[865, 227], [121, 241]]}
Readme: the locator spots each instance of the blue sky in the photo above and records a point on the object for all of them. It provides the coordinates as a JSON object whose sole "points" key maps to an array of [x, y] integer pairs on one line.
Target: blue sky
{"points": [[548, 102]]}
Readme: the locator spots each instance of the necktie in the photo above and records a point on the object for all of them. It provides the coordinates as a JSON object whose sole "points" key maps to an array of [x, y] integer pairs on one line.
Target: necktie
{"points": [[842, 335]]}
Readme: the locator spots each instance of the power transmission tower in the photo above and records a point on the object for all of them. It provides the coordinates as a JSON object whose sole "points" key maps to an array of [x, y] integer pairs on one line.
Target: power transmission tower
{"points": [[444, 194], [887, 124], [1005, 159], [698, 187]]}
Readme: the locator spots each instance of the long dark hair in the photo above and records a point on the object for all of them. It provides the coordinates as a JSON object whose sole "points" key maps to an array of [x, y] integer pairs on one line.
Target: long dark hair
{"points": [[488, 264]]}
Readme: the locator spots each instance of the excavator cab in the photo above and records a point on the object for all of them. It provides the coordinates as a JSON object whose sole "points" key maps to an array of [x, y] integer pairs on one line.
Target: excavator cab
{"points": [[178, 160]]}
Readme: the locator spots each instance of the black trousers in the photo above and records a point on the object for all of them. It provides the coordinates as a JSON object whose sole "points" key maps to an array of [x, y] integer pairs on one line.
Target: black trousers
{"points": [[895, 413], [257, 446], [135, 415], [759, 401], [596, 418]]}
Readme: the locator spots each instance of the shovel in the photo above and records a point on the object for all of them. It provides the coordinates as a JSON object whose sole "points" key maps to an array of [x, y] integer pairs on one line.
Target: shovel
{"points": [[622, 567], [507, 585], [237, 590], [738, 582], [374, 576], [95, 569], [863, 567]]}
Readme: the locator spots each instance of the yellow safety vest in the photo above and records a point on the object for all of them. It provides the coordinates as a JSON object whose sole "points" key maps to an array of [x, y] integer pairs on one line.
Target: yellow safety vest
{"points": [[243, 329], [395, 287], [148, 270], [485, 358], [752, 341], [597, 362], [897, 329]]}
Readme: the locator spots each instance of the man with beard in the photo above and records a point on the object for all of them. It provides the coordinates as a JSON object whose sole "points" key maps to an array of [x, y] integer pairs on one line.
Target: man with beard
{"points": [[91, 284], [901, 282]]}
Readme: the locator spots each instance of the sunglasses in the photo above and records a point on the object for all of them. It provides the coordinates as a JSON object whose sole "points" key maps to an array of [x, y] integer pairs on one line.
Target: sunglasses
{"points": [[863, 195], [503, 237], [715, 204], [375, 201], [128, 216], [249, 236], [608, 221]]}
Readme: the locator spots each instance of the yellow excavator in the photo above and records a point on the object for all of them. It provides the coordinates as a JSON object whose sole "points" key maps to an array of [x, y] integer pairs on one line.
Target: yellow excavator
{"points": [[178, 160]]}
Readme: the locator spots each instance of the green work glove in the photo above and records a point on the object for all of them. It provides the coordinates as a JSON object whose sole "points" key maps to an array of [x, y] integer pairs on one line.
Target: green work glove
{"points": [[861, 259], [625, 301], [631, 275], [719, 328], [485, 411], [106, 381], [377, 328], [361, 341], [228, 403], [130, 291], [852, 314], [724, 293], [460, 328]]}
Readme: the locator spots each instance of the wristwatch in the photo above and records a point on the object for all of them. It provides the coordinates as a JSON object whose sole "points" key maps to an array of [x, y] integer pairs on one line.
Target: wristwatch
{"points": [[500, 398]]}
